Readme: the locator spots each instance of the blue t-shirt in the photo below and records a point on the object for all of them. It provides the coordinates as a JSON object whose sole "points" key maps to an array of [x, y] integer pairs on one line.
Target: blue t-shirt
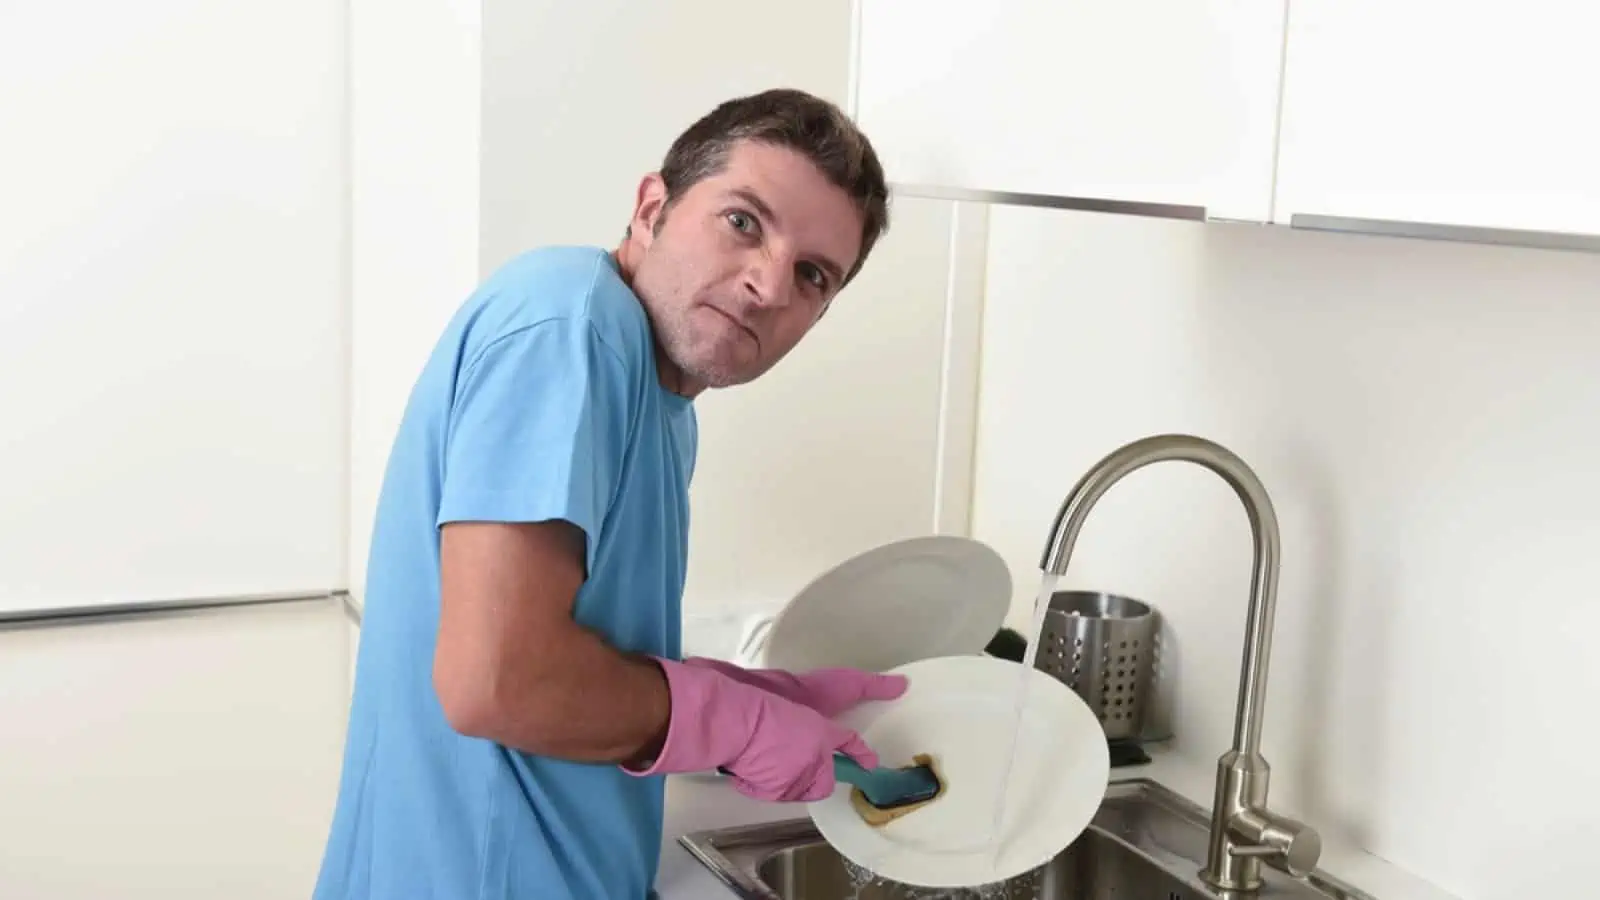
{"points": [[540, 401]]}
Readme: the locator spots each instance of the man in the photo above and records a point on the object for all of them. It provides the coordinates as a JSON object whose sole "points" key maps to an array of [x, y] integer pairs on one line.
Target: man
{"points": [[519, 694]]}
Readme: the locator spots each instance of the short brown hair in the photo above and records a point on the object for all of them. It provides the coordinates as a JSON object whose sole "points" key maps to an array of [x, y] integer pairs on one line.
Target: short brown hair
{"points": [[787, 118]]}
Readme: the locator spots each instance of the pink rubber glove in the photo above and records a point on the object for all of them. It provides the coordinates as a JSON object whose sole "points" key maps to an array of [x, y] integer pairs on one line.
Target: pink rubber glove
{"points": [[775, 749], [828, 691]]}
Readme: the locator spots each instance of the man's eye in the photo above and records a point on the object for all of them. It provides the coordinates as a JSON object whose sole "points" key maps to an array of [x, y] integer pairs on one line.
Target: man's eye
{"points": [[814, 275]]}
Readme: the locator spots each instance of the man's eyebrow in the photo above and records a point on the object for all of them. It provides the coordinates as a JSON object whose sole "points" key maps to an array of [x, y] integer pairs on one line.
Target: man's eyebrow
{"points": [[760, 205], [834, 270]]}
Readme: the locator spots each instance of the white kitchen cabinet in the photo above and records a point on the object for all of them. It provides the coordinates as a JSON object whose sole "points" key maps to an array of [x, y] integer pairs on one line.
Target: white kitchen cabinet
{"points": [[181, 756], [1139, 102], [1444, 118], [172, 293]]}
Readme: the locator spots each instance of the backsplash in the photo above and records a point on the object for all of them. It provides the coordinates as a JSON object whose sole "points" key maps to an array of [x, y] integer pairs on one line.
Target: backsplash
{"points": [[1426, 417]]}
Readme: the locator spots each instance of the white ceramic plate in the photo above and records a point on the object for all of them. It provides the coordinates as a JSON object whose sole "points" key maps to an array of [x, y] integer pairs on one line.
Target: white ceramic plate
{"points": [[961, 710], [914, 599]]}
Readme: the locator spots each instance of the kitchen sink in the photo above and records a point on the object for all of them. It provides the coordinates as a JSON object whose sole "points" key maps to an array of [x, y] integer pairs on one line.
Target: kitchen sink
{"points": [[1145, 843], [1097, 866]]}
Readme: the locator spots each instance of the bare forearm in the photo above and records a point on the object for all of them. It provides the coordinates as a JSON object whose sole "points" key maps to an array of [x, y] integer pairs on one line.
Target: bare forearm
{"points": [[512, 664], [572, 697], [588, 701]]}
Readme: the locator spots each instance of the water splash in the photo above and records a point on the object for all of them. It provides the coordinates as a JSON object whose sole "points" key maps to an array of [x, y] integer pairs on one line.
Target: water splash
{"points": [[867, 886]]}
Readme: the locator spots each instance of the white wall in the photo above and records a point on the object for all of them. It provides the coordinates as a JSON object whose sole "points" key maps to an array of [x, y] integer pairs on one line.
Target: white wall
{"points": [[532, 127], [786, 462], [835, 451], [414, 147], [580, 100], [1425, 417], [176, 758]]}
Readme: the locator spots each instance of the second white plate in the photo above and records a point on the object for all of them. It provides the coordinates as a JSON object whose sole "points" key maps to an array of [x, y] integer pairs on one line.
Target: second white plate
{"points": [[913, 599]]}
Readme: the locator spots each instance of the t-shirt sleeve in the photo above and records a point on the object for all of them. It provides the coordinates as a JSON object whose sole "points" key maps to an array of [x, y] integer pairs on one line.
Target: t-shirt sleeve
{"points": [[538, 430]]}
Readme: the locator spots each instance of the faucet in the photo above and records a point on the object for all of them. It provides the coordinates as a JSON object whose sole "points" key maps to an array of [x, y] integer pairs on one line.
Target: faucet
{"points": [[1243, 831]]}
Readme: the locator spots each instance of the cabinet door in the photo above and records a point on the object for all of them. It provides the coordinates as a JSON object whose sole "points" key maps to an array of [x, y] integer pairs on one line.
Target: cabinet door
{"points": [[1134, 101], [172, 303], [1458, 116], [172, 756]]}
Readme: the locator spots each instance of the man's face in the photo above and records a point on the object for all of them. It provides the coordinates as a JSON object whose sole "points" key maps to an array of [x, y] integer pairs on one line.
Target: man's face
{"points": [[743, 264]]}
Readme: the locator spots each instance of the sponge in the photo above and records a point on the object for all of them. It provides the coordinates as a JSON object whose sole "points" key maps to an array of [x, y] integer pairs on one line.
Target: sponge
{"points": [[878, 816]]}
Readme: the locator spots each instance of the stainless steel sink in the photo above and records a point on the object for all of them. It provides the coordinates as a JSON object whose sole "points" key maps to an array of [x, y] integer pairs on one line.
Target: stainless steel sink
{"points": [[1145, 843], [1096, 866]]}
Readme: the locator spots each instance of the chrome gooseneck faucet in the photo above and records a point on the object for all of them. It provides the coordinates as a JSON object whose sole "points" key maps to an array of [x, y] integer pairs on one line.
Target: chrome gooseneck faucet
{"points": [[1243, 831]]}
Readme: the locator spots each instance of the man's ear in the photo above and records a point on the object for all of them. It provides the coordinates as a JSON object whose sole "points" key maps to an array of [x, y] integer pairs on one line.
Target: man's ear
{"points": [[649, 206]]}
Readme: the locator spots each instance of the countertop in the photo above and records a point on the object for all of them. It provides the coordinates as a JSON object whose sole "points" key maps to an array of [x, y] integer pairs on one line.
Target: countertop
{"points": [[695, 803]]}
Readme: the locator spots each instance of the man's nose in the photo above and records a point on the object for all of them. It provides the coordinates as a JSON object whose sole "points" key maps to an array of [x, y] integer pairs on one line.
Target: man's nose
{"points": [[766, 278]]}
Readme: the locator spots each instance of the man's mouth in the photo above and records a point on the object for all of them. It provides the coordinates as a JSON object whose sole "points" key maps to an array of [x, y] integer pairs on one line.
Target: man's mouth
{"points": [[739, 324]]}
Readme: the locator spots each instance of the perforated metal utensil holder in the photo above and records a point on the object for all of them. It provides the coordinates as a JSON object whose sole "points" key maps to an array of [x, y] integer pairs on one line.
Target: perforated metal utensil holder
{"points": [[1103, 646]]}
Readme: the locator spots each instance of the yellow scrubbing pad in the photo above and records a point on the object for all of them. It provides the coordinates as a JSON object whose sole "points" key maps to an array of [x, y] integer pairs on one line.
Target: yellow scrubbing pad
{"points": [[878, 817]]}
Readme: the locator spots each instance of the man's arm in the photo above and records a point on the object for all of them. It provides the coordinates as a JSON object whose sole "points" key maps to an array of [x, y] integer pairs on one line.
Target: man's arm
{"points": [[512, 666], [534, 448]]}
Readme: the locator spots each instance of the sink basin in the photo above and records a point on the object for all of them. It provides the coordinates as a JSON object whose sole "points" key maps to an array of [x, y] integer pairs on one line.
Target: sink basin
{"points": [[1145, 843], [1097, 866]]}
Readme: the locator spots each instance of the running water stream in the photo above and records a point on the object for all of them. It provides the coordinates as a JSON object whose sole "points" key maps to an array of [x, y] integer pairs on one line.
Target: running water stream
{"points": [[1041, 603], [1025, 886]]}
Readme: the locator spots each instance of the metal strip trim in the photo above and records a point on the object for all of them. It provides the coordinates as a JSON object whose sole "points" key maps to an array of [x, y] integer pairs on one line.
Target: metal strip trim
{"points": [[1050, 201], [12, 620], [352, 609], [1467, 234]]}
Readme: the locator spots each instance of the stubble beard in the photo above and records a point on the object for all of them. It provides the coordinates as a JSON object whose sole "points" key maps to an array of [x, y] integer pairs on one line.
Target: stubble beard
{"points": [[679, 338], [699, 360], [694, 357]]}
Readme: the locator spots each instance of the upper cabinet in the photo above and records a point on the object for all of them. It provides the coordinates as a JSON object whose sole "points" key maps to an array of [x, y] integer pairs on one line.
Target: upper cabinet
{"points": [[1433, 118], [1136, 101], [1467, 120]]}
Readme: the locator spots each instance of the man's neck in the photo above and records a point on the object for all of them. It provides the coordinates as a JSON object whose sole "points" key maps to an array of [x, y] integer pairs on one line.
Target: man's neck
{"points": [[667, 372]]}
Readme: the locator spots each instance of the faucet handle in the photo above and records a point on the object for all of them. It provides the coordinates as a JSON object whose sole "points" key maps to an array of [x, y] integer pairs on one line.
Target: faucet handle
{"points": [[1285, 843]]}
